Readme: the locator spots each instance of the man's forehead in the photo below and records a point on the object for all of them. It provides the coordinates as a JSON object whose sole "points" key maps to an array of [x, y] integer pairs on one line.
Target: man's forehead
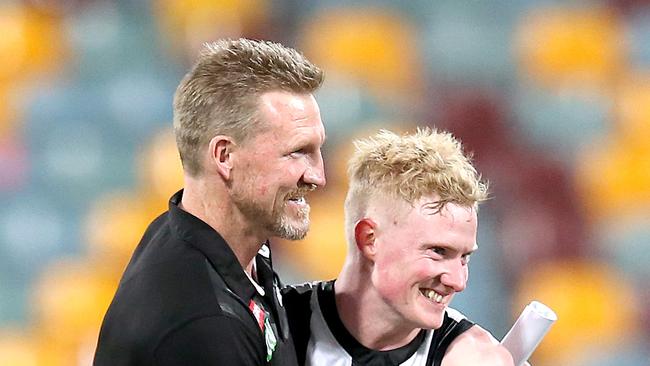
{"points": [[433, 204], [281, 102], [284, 112]]}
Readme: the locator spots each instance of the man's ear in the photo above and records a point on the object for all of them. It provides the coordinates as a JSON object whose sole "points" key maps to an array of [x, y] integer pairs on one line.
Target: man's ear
{"points": [[364, 235], [221, 159]]}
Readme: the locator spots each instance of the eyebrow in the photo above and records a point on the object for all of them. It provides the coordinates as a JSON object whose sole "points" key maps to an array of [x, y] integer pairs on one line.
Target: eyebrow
{"points": [[449, 247], [303, 141], [434, 207]]}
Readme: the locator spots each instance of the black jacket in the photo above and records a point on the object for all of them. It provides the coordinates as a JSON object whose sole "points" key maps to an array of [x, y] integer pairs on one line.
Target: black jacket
{"points": [[184, 300]]}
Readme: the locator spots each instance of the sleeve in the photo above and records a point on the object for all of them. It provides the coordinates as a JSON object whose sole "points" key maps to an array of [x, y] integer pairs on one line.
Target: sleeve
{"points": [[211, 341]]}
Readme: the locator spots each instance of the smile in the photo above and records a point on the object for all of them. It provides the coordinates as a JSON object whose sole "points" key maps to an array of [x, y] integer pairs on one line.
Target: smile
{"points": [[299, 200], [432, 295]]}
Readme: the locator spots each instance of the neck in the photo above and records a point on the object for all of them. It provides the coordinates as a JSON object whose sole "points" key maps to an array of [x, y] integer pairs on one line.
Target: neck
{"points": [[358, 303], [210, 202]]}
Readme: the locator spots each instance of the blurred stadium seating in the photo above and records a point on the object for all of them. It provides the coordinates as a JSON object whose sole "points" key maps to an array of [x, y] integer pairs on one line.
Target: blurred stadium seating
{"points": [[552, 98]]}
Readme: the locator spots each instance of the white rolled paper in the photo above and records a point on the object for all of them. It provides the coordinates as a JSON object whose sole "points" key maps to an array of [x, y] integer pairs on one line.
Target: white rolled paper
{"points": [[528, 331]]}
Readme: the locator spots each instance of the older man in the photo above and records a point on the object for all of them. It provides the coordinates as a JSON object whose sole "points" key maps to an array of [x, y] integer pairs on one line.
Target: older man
{"points": [[200, 289]]}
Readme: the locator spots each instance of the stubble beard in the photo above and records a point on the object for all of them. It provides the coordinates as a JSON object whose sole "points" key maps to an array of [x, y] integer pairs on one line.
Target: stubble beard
{"points": [[278, 221], [285, 229]]}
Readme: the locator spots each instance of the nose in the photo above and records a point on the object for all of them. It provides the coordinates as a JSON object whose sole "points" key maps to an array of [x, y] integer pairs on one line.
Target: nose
{"points": [[315, 173], [455, 275]]}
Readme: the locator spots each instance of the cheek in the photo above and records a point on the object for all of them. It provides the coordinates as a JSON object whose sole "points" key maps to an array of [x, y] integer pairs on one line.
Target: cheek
{"points": [[386, 278], [397, 276], [267, 183], [262, 189], [292, 171], [425, 269], [253, 185]]}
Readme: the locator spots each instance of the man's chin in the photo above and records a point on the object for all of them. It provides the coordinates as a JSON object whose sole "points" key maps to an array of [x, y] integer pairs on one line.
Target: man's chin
{"points": [[429, 320], [434, 322], [291, 234], [292, 231]]}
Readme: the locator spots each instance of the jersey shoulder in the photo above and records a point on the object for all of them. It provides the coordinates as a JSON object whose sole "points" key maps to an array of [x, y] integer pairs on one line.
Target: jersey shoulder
{"points": [[297, 302], [476, 346]]}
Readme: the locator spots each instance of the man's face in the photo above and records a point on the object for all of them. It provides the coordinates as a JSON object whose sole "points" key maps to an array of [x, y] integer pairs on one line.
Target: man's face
{"points": [[421, 260], [280, 164]]}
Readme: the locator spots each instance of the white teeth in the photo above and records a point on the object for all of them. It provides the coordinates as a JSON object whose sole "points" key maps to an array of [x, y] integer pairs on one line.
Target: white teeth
{"points": [[432, 295], [300, 200], [437, 298]]}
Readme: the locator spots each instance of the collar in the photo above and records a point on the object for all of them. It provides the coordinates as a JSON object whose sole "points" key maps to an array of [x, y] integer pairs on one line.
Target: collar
{"points": [[201, 236], [259, 288], [361, 354]]}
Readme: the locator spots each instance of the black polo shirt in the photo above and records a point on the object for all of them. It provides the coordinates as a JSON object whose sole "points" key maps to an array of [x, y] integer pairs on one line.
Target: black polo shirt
{"points": [[184, 299]]}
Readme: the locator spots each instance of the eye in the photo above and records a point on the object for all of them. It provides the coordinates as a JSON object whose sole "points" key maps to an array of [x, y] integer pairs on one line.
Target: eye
{"points": [[297, 153], [437, 251]]}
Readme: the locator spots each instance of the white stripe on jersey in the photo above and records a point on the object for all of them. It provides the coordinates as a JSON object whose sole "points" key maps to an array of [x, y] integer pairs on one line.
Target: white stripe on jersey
{"points": [[324, 350]]}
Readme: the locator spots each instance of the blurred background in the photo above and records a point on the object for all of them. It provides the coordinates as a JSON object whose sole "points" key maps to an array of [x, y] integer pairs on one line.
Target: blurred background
{"points": [[552, 98]]}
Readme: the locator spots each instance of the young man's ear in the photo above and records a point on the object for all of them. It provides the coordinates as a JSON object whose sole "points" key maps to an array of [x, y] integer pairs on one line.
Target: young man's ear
{"points": [[364, 236], [221, 159]]}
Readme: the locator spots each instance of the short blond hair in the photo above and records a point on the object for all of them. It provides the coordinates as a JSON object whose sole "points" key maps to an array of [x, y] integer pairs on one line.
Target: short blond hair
{"points": [[409, 167], [220, 94]]}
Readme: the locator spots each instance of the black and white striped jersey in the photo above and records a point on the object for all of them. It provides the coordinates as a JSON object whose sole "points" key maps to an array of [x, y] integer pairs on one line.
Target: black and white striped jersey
{"points": [[321, 339]]}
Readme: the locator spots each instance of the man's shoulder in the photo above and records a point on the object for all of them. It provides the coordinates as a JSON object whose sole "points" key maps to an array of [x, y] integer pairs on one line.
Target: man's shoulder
{"points": [[211, 340], [476, 345], [475, 336], [301, 289], [157, 293], [170, 303], [297, 300], [220, 336], [298, 297]]}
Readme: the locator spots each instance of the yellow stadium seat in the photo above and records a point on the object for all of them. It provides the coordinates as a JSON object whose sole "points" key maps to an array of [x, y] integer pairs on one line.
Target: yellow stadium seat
{"points": [[117, 220], [32, 41], [159, 168], [17, 349], [69, 303], [188, 24], [114, 227], [613, 176], [594, 304], [574, 46], [632, 108], [8, 112], [374, 46]]}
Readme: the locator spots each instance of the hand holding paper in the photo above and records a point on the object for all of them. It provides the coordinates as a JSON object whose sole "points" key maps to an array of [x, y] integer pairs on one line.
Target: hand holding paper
{"points": [[528, 331]]}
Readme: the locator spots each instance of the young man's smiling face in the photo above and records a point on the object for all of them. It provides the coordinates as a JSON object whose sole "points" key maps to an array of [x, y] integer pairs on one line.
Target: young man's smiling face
{"points": [[421, 258]]}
